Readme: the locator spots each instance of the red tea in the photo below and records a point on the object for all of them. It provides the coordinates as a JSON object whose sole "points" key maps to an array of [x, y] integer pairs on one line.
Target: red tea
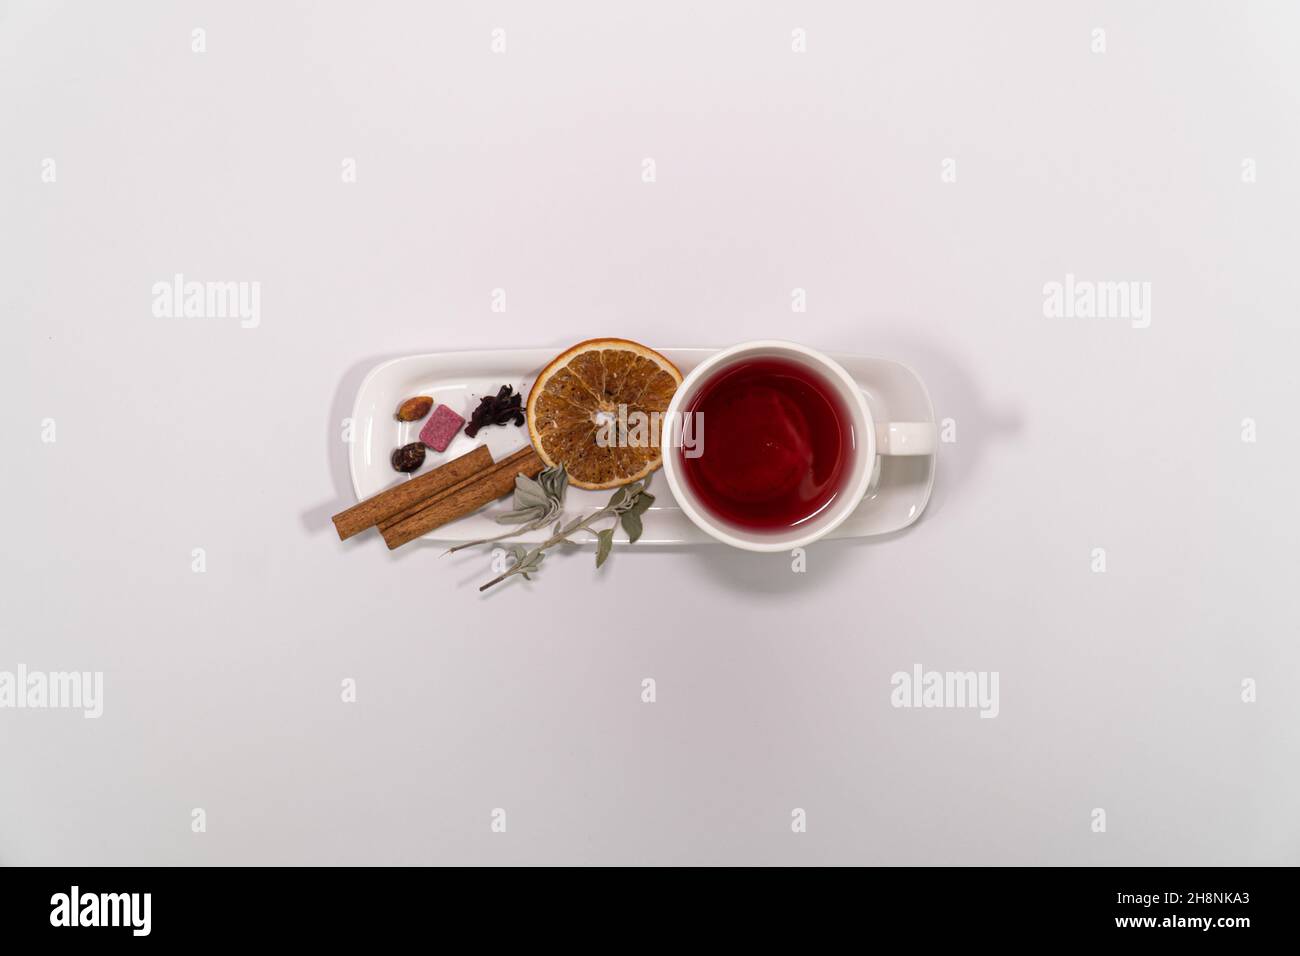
{"points": [[777, 448]]}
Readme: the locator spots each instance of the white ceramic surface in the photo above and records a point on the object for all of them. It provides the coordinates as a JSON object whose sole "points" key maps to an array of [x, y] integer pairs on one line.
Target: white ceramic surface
{"points": [[898, 493]]}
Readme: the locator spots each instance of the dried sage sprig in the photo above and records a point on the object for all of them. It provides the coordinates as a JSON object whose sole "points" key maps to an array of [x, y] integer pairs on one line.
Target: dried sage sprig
{"points": [[626, 505], [537, 502]]}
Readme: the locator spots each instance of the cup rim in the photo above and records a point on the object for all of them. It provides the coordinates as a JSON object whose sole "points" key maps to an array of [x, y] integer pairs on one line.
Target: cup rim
{"points": [[865, 444]]}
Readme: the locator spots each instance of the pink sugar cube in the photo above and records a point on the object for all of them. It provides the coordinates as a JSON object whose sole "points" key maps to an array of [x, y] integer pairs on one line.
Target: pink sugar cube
{"points": [[441, 428]]}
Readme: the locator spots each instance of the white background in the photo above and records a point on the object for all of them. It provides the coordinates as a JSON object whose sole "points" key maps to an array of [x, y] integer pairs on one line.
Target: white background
{"points": [[775, 170]]}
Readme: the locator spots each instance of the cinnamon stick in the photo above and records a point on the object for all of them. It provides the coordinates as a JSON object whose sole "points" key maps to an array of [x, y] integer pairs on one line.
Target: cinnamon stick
{"points": [[402, 497], [396, 519], [461, 499]]}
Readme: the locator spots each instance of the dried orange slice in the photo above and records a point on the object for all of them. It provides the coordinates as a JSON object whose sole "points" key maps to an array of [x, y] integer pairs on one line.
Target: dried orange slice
{"points": [[598, 408]]}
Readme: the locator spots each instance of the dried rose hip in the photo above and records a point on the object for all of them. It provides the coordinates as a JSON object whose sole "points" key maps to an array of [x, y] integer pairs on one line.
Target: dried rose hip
{"points": [[413, 409], [409, 457]]}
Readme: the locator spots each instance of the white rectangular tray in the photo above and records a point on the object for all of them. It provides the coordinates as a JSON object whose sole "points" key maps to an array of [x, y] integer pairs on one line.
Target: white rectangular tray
{"points": [[898, 494]]}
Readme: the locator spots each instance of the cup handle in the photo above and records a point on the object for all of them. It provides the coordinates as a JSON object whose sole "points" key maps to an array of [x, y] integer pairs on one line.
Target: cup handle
{"points": [[906, 438]]}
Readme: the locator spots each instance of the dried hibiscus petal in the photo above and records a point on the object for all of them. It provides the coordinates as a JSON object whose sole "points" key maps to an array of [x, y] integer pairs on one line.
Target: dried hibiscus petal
{"points": [[503, 408]]}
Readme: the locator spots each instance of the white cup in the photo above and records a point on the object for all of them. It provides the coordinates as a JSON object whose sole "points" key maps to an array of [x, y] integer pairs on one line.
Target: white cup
{"points": [[869, 438]]}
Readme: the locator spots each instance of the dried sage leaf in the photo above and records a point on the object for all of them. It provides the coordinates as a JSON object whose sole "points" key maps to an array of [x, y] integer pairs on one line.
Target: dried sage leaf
{"points": [[604, 544], [631, 522]]}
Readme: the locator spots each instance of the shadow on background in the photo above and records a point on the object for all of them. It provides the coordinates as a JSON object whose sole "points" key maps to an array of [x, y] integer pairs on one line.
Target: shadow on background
{"points": [[317, 518]]}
